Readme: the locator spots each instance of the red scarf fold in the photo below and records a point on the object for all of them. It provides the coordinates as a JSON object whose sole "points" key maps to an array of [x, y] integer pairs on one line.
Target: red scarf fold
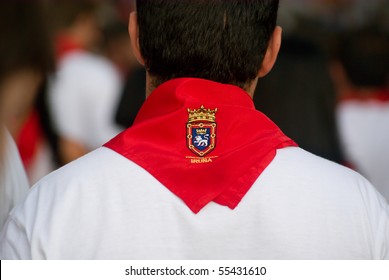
{"points": [[186, 117]]}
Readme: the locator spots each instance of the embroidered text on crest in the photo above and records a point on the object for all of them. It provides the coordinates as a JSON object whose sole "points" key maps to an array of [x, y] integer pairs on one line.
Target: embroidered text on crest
{"points": [[201, 131]]}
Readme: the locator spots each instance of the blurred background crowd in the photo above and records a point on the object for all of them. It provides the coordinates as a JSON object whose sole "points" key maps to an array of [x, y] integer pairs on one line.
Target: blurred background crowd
{"points": [[69, 83]]}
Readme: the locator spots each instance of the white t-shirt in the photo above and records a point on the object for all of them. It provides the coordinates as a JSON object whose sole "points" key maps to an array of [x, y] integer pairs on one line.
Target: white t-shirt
{"points": [[13, 180], [364, 134], [84, 96], [104, 206]]}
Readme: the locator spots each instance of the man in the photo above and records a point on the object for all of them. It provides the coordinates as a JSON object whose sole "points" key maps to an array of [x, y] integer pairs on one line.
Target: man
{"points": [[201, 174], [86, 86], [361, 75]]}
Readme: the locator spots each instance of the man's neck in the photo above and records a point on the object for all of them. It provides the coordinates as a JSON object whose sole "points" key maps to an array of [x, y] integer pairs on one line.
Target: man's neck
{"points": [[149, 85], [250, 89]]}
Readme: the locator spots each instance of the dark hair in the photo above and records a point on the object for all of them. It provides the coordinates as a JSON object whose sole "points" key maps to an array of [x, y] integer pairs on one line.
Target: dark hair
{"points": [[364, 55], [220, 40], [25, 40]]}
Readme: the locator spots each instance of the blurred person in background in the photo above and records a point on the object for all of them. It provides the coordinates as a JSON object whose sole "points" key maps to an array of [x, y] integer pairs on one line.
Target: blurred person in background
{"points": [[318, 23], [116, 46], [303, 104], [27, 58], [24, 63], [86, 87], [133, 92], [298, 95], [360, 72]]}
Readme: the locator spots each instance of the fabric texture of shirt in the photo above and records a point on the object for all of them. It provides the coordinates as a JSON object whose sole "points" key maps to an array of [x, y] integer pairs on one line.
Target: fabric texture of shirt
{"points": [[104, 206]]}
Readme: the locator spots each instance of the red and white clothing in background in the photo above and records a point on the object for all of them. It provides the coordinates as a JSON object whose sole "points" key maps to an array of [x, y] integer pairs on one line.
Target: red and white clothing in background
{"points": [[34, 150], [363, 124], [84, 94]]}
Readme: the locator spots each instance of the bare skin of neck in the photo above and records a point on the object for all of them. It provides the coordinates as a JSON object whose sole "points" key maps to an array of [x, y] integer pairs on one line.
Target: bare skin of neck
{"points": [[250, 88]]}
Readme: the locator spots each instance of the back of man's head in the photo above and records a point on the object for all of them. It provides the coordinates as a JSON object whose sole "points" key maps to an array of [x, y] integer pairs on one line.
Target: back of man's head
{"points": [[220, 40]]}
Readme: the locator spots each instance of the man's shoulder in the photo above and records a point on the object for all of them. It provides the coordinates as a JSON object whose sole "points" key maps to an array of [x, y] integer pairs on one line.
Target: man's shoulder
{"points": [[302, 162], [305, 172], [94, 166], [85, 181], [93, 173]]}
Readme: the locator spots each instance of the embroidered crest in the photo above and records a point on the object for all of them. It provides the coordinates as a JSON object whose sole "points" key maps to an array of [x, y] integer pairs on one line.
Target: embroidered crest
{"points": [[201, 131]]}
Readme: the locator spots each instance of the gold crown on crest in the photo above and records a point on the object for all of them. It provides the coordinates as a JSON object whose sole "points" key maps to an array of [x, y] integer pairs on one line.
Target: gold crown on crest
{"points": [[202, 114]]}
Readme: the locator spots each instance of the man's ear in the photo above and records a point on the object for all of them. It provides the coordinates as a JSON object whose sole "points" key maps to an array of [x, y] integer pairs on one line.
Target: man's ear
{"points": [[271, 52], [133, 30]]}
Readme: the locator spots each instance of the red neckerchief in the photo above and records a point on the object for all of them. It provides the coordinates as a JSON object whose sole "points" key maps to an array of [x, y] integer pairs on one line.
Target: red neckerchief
{"points": [[66, 45], [202, 140], [29, 138], [380, 96]]}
